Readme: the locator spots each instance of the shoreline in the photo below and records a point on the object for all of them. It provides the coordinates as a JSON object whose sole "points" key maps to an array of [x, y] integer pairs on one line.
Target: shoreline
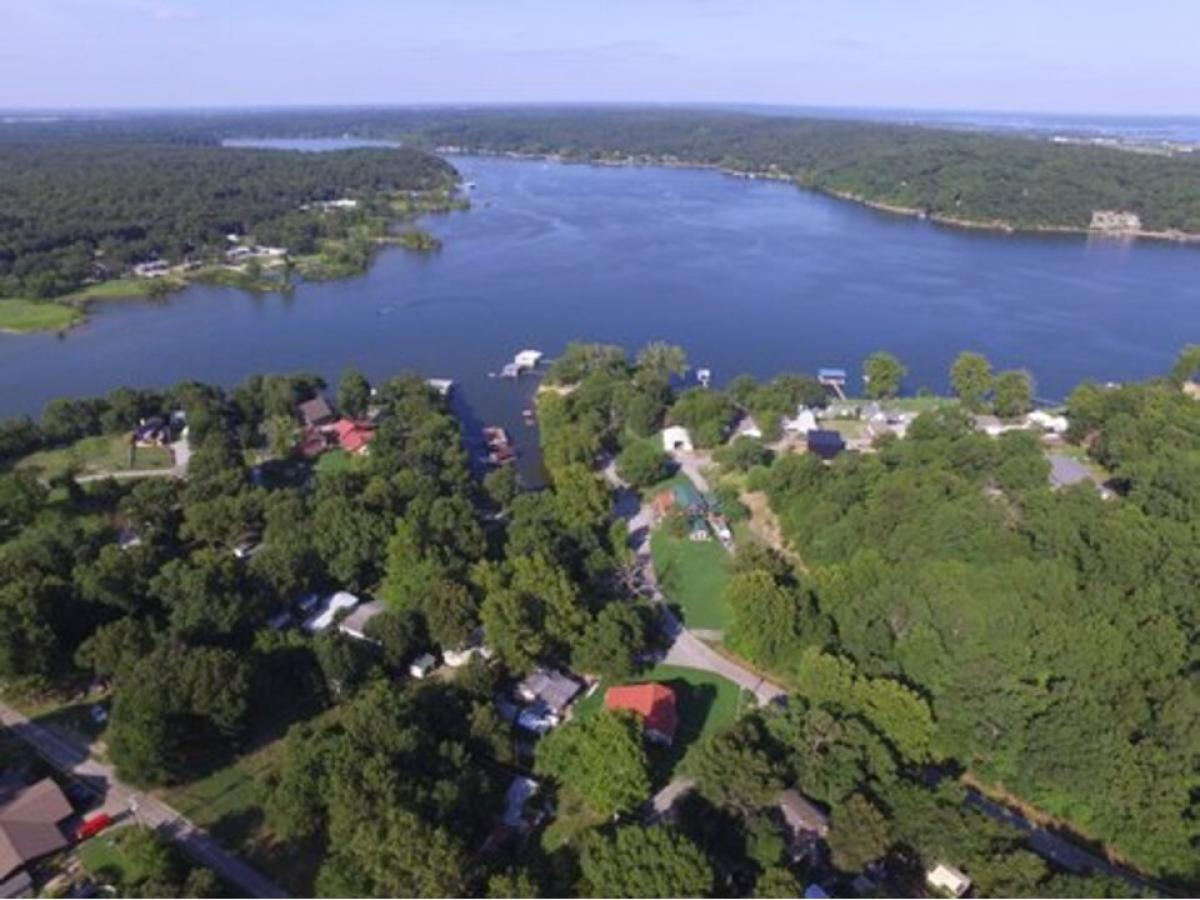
{"points": [[778, 175]]}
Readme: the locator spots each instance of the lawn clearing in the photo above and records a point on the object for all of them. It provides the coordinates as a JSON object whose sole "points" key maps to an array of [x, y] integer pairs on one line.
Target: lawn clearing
{"points": [[693, 575], [229, 804], [102, 855], [95, 456], [706, 703], [27, 316]]}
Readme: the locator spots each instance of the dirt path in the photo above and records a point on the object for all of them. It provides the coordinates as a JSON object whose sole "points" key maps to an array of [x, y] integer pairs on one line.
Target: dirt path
{"points": [[764, 525]]}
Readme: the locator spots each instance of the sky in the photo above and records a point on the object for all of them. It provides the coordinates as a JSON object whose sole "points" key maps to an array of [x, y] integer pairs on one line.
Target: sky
{"points": [[1081, 56]]}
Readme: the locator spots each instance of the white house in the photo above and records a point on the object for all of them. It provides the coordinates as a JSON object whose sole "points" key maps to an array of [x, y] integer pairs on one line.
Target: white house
{"points": [[1055, 424], [676, 437], [948, 879], [327, 609], [749, 428], [804, 422]]}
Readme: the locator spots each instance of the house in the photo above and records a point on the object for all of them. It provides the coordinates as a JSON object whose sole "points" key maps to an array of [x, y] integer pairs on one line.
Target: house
{"points": [[443, 386], [993, 426], [748, 428], [355, 624], [353, 437], [948, 880], [698, 529], [316, 412], [549, 689], [31, 826], [326, 610], [460, 656], [825, 443], [804, 421], [527, 360], [654, 704], [422, 665], [155, 268], [313, 443], [152, 432], [237, 254], [1047, 422], [676, 438], [800, 815]]}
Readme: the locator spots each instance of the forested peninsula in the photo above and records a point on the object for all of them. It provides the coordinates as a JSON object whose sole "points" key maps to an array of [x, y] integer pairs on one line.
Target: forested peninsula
{"points": [[138, 213]]}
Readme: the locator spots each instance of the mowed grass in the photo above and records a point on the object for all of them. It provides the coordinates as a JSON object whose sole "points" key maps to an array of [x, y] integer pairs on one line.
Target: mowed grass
{"points": [[706, 703], [95, 455], [103, 855], [230, 804], [27, 316], [693, 575]]}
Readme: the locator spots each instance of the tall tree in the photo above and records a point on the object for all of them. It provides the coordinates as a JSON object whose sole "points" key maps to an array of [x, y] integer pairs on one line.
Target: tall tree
{"points": [[884, 374], [600, 758], [971, 379], [354, 394], [1014, 393]]}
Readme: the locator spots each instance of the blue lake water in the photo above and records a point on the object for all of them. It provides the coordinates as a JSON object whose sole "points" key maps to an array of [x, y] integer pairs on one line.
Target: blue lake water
{"points": [[748, 276]]}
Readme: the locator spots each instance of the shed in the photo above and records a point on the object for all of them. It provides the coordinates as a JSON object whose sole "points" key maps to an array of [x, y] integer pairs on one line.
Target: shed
{"points": [[676, 438], [698, 529], [801, 815], [653, 703], [825, 443], [422, 665], [948, 880]]}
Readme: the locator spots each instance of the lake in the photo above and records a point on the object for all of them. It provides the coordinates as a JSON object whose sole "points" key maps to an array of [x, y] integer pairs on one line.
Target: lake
{"points": [[749, 276]]}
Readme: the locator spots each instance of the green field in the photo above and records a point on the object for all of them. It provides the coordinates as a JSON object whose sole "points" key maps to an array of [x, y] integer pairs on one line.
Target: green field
{"points": [[27, 316], [693, 575], [95, 455], [706, 704], [103, 855]]}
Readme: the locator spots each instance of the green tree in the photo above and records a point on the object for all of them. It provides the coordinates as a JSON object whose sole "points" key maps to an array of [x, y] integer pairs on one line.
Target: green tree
{"points": [[354, 394], [743, 453], [600, 758], [640, 861], [738, 767], [660, 360], [971, 379], [611, 644], [1013, 393], [859, 835], [642, 464], [884, 374]]}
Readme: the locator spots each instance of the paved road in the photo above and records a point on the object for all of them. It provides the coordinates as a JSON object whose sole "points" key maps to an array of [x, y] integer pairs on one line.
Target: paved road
{"points": [[74, 759], [687, 649]]}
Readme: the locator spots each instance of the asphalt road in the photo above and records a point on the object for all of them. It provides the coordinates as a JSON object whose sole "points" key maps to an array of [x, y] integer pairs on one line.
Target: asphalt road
{"points": [[75, 760]]}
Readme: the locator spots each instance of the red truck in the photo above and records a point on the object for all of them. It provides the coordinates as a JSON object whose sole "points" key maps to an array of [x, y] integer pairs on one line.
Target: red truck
{"points": [[93, 826]]}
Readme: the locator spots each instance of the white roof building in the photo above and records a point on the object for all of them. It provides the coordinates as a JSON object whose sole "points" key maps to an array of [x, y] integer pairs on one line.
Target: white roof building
{"points": [[948, 879], [422, 665], [804, 422], [676, 437], [1039, 418], [327, 609], [528, 359], [749, 428]]}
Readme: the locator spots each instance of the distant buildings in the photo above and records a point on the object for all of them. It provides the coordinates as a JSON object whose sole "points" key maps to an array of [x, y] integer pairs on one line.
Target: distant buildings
{"points": [[948, 880], [825, 443], [677, 439], [326, 609]]}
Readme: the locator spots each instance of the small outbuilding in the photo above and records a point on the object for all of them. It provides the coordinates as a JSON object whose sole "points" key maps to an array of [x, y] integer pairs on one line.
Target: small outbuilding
{"points": [[948, 880], [316, 412], [422, 665], [676, 438], [551, 689]]}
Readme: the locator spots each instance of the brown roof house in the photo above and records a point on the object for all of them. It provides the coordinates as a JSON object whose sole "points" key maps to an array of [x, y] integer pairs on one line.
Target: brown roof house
{"points": [[315, 412], [30, 829], [801, 815]]}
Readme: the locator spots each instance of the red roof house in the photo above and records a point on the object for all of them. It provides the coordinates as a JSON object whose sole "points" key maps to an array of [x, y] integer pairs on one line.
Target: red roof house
{"points": [[654, 703], [351, 436]]}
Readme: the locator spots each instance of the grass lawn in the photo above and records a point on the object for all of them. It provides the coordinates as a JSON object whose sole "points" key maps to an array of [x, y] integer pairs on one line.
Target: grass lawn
{"points": [[27, 316], [228, 803], [570, 820], [693, 575], [103, 854], [93, 455], [706, 704], [335, 461]]}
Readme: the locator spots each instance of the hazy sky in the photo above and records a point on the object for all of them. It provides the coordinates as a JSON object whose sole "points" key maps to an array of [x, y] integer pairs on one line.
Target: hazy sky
{"points": [[1051, 55]]}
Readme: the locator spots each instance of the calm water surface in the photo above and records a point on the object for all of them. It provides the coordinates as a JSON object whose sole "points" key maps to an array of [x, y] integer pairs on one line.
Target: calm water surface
{"points": [[748, 276]]}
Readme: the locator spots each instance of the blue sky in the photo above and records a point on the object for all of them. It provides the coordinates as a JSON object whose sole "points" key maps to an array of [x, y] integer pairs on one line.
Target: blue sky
{"points": [[1032, 55]]}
